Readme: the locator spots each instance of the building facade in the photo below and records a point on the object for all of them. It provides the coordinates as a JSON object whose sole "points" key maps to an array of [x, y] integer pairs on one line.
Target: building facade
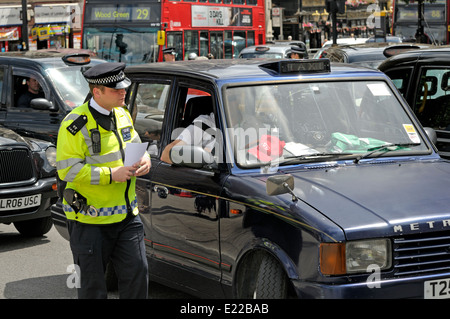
{"points": [[50, 24], [309, 21]]}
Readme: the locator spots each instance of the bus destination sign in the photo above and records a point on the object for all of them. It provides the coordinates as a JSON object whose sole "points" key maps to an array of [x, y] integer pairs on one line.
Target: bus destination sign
{"points": [[120, 13]]}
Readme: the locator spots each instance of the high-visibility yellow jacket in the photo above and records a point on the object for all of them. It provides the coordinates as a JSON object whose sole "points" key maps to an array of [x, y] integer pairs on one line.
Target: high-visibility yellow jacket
{"points": [[90, 174]]}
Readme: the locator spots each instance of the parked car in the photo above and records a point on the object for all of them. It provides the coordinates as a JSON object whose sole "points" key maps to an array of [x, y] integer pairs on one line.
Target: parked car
{"points": [[299, 197], [27, 182], [271, 51], [422, 77], [369, 54], [61, 84]]}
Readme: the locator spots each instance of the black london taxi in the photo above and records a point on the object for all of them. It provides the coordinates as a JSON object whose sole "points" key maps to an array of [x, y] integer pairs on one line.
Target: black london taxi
{"points": [[316, 181], [370, 55], [423, 78], [61, 88], [27, 182]]}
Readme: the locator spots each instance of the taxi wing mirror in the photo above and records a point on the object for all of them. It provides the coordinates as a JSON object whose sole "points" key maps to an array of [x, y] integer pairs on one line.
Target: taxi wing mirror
{"points": [[280, 184], [431, 134], [192, 156], [43, 104]]}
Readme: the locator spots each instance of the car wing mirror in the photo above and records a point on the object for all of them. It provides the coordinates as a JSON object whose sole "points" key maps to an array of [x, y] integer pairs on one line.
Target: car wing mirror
{"points": [[281, 184], [431, 133], [192, 156], [43, 104]]}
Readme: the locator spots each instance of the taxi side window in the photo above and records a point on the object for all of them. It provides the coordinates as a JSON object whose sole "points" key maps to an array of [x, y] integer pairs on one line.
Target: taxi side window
{"points": [[148, 114], [196, 103], [26, 88], [432, 104], [401, 78]]}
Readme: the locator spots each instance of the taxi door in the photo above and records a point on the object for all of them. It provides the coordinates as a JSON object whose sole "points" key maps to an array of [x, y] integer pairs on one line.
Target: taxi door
{"points": [[181, 204]]}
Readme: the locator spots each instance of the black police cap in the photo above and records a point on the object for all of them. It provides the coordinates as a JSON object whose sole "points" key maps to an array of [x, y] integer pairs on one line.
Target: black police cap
{"points": [[108, 74], [170, 50]]}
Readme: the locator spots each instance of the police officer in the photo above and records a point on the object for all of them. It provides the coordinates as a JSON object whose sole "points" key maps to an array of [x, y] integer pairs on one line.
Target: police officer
{"points": [[169, 54], [99, 199], [295, 53]]}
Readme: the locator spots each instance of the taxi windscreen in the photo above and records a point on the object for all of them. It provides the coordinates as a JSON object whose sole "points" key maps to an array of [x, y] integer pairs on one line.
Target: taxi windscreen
{"points": [[70, 84], [293, 122]]}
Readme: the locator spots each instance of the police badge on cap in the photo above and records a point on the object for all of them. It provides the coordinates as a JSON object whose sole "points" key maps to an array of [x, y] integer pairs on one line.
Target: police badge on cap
{"points": [[108, 74]]}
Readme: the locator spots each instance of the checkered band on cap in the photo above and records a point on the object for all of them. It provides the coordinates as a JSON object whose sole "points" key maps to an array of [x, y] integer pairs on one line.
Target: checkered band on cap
{"points": [[108, 80]]}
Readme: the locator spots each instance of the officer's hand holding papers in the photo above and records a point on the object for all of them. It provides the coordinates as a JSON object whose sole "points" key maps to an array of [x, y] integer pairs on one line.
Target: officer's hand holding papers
{"points": [[135, 155]]}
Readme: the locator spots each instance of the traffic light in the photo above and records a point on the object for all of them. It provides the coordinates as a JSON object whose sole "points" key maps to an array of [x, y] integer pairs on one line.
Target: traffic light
{"points": [[336, 6]]}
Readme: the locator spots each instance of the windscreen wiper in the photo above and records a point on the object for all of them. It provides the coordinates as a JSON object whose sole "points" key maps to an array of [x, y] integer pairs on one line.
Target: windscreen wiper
{"points": [[386, 148], [311, 157]]}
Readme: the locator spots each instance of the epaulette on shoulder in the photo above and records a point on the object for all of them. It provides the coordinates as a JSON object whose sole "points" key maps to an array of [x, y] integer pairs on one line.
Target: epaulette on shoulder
{"points": [[77, 124]]}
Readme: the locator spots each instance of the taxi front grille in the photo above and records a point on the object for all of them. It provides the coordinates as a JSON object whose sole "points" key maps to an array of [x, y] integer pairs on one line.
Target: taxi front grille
{"points": [[422, 254], [16, 165]]}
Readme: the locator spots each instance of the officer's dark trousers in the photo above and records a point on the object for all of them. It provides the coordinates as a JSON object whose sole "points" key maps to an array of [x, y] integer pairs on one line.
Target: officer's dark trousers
{"points": [[93, 246]]}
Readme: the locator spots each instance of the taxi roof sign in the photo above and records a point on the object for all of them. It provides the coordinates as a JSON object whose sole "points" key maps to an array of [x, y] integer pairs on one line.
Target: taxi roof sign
{"points": [[77, 59], [396, 49], [299, 66]]}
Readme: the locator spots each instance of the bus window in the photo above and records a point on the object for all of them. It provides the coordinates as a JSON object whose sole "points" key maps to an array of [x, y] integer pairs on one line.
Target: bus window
{"points": [[228, 45], [132, 47], [174, 39], [250, 38], [238, 42], [217, 44], [204, 43], [190, 43]]}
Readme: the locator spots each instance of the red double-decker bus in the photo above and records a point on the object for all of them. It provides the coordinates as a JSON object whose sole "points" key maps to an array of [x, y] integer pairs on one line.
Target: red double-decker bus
{"points": [[219, 27], [130, 30]]}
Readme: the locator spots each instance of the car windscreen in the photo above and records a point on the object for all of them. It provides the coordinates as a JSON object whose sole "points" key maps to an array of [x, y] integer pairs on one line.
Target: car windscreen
{"points": [[70, 84], [294, 122]]}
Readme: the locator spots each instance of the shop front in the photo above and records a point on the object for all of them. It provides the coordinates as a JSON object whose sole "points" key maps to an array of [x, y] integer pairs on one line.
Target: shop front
{"points": [[56, 26], [10, 29]]}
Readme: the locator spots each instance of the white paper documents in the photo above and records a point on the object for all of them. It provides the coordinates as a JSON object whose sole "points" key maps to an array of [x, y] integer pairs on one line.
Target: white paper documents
{"points": [[134, 152]]}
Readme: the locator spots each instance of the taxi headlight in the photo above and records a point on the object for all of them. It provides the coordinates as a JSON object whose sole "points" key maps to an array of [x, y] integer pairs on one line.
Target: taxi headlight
{"points": [[359, 255], [50, 153], [355, 256]]}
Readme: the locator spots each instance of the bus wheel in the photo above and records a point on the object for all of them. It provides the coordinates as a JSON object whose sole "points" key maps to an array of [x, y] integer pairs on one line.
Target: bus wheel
{"points": [[271, 281]]}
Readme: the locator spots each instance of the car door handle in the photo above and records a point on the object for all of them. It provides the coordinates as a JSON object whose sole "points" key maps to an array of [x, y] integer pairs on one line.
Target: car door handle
{"points": [[161, 191]]}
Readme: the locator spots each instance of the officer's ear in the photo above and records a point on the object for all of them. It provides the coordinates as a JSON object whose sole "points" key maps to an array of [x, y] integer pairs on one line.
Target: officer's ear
{"points": [[96, 90]]}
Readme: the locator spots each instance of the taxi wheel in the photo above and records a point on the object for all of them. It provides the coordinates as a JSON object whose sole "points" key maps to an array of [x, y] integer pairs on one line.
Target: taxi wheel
{"points": [[271, 281], [34, 227]]}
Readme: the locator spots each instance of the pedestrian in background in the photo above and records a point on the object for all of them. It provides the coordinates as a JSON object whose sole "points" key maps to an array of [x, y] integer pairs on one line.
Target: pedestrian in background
{"points": [[100, 198], [169, 54]]}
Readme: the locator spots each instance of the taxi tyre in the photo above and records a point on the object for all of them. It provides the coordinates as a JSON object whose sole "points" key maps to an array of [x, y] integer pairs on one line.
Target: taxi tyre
{"points": [[34, 227], [271, 281]]}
